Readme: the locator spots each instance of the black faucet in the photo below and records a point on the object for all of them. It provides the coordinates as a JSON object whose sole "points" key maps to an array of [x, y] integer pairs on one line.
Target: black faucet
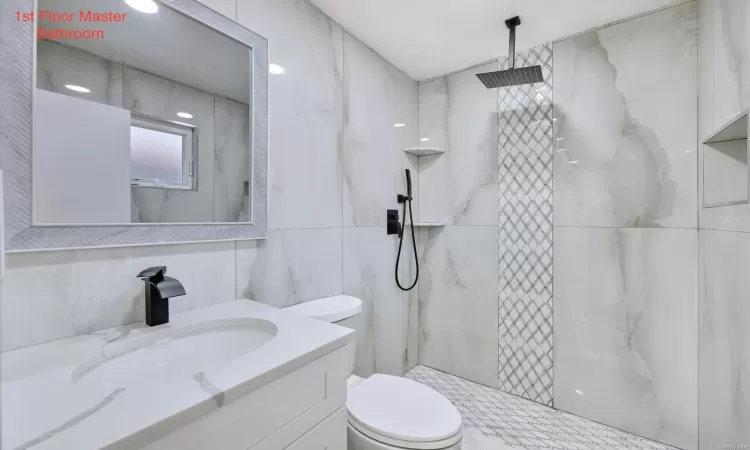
{"points": [[159, 289]]}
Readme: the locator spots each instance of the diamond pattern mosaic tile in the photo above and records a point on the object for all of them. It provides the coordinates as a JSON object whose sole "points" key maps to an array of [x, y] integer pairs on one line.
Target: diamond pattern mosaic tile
{"points": [[524, 424], [525, 270]]}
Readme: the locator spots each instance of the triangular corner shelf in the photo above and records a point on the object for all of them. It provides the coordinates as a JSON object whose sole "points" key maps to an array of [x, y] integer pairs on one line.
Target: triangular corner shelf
{"points": [[428, 224], [734, 130], [424, 151]]}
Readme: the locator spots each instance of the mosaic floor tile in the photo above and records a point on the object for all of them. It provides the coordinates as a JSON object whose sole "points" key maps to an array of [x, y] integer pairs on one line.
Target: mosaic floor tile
{"points": [[495, 420]]}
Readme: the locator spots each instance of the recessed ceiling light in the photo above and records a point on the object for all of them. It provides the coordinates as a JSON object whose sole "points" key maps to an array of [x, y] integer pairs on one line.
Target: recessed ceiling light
{"points": [[573, 162], [425, 139], [73, 87], [579, 392], [275, 69], [185, 115], [144, 6], [399, 125]]}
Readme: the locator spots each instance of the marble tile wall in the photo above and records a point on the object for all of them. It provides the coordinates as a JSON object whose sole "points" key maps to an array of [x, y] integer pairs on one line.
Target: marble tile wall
{"points": [[457, 298], [625, 329], [410, 299], [724, 235], [54, 295], [625, 209], [306, 111], [724, 89], [625, 124], [373, 151], [458, 302], [459, 115], [291, 266], [369, 256], [336, 164], [724, 339]]}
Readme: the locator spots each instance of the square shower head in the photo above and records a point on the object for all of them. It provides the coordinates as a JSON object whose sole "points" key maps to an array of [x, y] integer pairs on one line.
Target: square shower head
{"points": [[512, 77]]}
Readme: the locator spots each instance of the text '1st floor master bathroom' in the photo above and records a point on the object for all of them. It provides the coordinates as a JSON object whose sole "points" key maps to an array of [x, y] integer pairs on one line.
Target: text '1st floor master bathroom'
{"points": [[391, 225]]}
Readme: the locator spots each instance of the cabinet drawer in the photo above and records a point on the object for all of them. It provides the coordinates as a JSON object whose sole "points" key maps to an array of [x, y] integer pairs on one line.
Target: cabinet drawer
{"points": [[329, 435]]}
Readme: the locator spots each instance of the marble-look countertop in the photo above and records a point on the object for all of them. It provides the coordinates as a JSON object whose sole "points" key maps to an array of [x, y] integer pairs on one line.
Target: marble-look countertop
{"points": [[42, 408]]}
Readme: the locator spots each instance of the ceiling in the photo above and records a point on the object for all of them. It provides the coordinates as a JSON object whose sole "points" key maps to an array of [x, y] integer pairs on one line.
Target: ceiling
{"points": [[429, 38]]}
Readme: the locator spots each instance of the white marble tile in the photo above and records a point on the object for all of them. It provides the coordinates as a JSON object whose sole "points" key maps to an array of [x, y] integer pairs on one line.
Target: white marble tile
{"points": [[410, 299], [626, 329], [53, 295], [706, 124], [368, 261], [731, 59], [373, 152], [290, 267], [59, 65], [231, 161], [724, 76], [474, 439], [154, 96], [626, 114], [458, 114], [724, 339], [306, 112], [458, 302]]}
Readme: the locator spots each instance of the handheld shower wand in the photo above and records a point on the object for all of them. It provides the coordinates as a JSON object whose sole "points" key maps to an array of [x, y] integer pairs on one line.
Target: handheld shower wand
{"points": [[407, 199]]}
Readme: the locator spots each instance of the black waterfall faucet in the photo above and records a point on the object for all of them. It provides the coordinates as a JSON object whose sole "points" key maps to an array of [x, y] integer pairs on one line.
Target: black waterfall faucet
{"points": [[159, 289]]}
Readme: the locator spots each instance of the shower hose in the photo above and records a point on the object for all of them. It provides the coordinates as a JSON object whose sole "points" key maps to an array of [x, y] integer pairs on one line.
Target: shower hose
{"points": [[413, 243]]}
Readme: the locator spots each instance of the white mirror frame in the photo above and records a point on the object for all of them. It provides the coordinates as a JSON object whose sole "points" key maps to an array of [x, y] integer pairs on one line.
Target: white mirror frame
{"points": [[17, 44]]}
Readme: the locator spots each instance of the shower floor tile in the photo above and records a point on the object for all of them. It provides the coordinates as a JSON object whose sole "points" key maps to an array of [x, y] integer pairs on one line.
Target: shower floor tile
{"points": [[495, 420]]}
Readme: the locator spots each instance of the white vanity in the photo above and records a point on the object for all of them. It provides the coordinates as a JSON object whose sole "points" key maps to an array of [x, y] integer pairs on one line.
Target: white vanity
{"points": [[238, 375]]}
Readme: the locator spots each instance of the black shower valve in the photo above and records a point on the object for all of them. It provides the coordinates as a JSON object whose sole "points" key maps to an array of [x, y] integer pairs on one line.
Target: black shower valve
{"points": [[393, 226]]}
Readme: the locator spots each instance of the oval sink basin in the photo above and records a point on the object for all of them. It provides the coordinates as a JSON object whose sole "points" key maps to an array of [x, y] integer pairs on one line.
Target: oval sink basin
{"points": [[186, 349]]}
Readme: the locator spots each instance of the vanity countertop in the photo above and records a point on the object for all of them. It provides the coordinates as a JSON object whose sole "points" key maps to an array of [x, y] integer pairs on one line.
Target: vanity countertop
{"points": [[43, 408]]}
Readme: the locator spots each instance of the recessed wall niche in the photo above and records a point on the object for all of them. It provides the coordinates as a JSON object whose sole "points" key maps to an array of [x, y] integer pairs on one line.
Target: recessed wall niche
{"points": [[725, 164]]}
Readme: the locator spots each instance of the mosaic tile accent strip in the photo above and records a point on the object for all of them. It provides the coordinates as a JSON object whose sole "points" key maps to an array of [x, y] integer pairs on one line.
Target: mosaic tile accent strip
{"points": [[518, 423], [525, 262]]}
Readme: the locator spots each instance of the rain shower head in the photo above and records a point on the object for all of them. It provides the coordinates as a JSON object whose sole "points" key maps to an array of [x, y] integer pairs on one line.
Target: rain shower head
{"points": [[512, 76]]}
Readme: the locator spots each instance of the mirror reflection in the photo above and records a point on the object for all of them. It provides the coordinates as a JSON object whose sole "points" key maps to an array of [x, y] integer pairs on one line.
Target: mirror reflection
{"points": [[143, 118]]}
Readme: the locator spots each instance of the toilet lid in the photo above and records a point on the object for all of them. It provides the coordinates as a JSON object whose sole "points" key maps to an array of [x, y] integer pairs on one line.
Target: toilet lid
{"points": [[403, 411]]}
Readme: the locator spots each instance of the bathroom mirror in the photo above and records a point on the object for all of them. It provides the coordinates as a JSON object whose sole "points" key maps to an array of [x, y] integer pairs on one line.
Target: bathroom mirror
{"points": [[148, 124]]}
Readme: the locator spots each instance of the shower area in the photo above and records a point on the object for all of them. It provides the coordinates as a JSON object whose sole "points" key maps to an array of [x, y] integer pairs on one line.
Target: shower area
{"points": [[571, 269]]}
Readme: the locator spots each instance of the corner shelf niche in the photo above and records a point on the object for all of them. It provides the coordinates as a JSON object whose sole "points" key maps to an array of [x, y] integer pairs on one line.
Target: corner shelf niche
{"points": [[725, 164], [424, 151]]}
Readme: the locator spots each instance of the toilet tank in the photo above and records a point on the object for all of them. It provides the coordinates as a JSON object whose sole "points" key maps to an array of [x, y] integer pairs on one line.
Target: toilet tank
{"points": [[342, 310]]}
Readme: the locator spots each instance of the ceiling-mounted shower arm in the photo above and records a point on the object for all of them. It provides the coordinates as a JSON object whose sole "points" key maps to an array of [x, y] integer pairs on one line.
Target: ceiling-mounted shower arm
{"points": [[512, 76], [512, 24]]}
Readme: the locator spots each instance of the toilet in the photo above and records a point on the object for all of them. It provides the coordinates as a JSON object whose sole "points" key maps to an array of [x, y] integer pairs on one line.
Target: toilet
{"points": [[387, 412]]}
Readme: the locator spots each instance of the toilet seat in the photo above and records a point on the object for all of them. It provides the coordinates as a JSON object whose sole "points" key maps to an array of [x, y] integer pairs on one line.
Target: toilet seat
{"points": [[403, 413]]}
